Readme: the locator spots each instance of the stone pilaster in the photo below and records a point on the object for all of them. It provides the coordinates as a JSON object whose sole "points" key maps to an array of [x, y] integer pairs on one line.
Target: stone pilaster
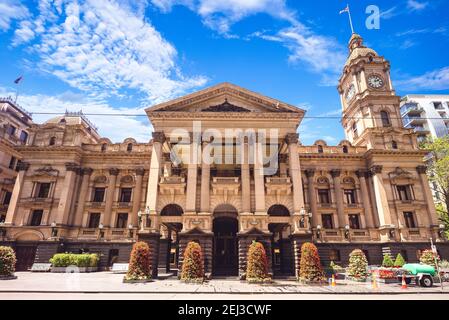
{"points": [[362, 174], [205, 181], [86, 173], [67, 194], [431, 212], [259, 178], [137, 197], [310, 173], [339, 197], [22, 167], [153, 177], [245, 176], [295, 172], [108, 217]]}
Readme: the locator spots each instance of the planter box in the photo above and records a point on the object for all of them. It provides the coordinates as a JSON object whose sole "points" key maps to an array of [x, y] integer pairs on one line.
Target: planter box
{"points": [[138, 281], [73, 269], [312, 283], [12, 277], [387, 281], [193, 281], [257, 281]]}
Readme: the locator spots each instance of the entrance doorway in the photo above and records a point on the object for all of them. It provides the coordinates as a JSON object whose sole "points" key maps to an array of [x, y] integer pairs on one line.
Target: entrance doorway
{"points": [[225, 252], [25, 257]]}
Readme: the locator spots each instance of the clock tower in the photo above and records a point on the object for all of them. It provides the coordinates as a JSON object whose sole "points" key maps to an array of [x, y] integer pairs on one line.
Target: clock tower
{"points": [[371, 114]]}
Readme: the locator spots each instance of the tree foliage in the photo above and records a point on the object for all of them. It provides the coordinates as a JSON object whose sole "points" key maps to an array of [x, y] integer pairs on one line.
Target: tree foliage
{"points": [[139, 262], [310, 268], [358, 265], [257, 267], [387, 261], [193, 264], [7, 261], [400, 261]]}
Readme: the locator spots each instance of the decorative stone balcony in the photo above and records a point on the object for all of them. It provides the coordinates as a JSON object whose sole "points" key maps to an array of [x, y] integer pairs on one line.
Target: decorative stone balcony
{"points": [[172, 185], [225, 186], [278, 186], [93, 204], [43, 202]]}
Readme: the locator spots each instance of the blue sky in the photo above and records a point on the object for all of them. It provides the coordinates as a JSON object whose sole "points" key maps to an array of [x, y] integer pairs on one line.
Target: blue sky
{"points": [[105, 56]]}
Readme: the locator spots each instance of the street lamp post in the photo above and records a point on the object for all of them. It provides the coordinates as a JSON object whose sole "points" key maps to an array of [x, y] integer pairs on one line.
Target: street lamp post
{"points": [[131, 231], [54, 230], [347, 231], [2, 230], [101, 228], [318, 232]]}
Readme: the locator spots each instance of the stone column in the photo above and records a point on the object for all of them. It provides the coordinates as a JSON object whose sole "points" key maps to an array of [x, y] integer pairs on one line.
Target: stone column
{"points": [[86, 172], [339, 197], [108, 218], [245, 176], [67, 194], [205, 181], [383, 209], [259, 178], [153, 176], [310, 173], [295, 172], [192, 176], [16, 193], [432, 214], [369, 218], [137, 197]]}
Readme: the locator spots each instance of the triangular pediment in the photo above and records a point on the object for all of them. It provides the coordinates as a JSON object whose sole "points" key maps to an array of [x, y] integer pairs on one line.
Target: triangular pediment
{"points": [[225, 97]]}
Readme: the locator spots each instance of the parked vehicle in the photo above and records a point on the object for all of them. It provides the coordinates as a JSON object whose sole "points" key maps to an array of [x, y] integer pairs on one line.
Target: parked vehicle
{"points": [[423, 274]]}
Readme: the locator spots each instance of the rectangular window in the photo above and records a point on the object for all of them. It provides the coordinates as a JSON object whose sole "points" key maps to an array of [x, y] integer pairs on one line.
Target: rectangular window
{"points": [[43, 190], [350, 196], [98, 195], [11, 130], [23, 136], [94, 220], [409, 220], [125, 194], [12, 163], [2, 218], [326, 219], [438, 105], [36, 218], [122, 220], [334, 255], [323, 196], [404, 193], [354, 221], [7, 198]]}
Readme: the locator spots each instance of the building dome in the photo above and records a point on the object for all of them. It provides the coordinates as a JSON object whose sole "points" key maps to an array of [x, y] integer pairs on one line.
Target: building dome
{"points": [[357, 49], [72, 118]]}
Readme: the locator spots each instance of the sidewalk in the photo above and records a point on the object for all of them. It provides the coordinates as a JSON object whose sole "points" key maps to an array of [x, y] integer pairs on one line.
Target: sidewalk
{"points": [[107, 282]]}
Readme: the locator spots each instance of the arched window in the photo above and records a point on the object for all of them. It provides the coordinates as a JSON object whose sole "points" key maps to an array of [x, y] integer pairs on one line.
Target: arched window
{"points": [[278, 210], [345, 149], [103, 147], [320, 149], [52, 141], [172, 210], [394, 144], [129, 148], [385, 119], [354, 130]]}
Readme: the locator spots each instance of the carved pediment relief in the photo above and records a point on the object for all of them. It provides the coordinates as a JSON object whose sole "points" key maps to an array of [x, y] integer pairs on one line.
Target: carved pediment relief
{"points": [[400, 174], [46, 170], [225, 107], [100, 179]]}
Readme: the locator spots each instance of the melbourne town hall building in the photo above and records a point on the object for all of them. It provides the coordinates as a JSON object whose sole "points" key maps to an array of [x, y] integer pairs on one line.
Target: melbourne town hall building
{"points": [[225, 167]]}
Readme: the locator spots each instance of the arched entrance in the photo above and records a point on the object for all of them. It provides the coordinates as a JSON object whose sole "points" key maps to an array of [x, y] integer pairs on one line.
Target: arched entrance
{"points": [[225, 246], [169, 243]]}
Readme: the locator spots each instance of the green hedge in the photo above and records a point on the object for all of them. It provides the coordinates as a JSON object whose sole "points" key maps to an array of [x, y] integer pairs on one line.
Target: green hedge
{"points": [[7, 261], [71, 259]]}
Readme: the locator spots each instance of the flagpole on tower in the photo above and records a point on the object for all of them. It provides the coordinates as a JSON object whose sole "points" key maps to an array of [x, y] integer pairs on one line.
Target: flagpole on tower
{"points": [[349, 15], [17, 82]]}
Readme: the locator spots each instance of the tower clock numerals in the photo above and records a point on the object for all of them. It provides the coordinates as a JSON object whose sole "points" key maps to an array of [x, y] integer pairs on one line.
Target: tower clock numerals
{"points": [[350, 92], [374, 81]]}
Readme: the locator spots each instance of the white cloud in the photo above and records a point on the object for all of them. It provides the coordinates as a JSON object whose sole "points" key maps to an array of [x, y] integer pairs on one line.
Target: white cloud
{"points": [[117, 128], [407, 44], [416, 5], [105, 48], [432, 80], [11, 10]]}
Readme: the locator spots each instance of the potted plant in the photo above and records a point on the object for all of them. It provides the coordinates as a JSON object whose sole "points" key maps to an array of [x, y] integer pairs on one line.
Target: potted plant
{"points": [[139, 270], [257, 266], [358, 266], [310, 270], [7, 263], [192, 270]]}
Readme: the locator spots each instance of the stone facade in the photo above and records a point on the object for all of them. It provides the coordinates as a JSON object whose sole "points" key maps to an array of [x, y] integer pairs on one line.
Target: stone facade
{"points": [[225, 167]]}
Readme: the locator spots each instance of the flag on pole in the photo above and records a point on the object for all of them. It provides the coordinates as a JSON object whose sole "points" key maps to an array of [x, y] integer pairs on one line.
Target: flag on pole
{"points": [[17, 81], [345, 9]]}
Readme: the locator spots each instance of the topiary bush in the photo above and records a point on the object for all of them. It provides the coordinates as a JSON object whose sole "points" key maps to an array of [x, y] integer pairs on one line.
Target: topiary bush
{"points": [[83, 260], [257, 264], [428, 257], [358, 265], [193, 264], [399, 262], [310, 269], [139, 263], [7, 262], [387, 261]]}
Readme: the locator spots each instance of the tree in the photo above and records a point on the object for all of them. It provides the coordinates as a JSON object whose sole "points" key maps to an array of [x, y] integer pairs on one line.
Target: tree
{"points": [[387, 261], [358, 265], [7, 261], [139, 262], [399, 262], [428, 257], [310, 264], [438, 173], [193, 264], [257, 266]]}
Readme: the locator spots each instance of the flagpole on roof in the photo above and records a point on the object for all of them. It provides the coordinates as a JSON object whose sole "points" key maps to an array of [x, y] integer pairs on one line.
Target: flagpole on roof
{"points": [[350, 19], [17, 82]]}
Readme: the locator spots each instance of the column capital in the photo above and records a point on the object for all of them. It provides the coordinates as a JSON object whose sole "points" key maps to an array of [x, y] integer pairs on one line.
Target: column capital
{"points": [[158, 136], [22, 166], [335, 173], [291, 138], [421, 169], [309, 173], [87, 171], [114, 171], [283, 158], [71, 166], [375, 170], [362, 173], [140, 171]]}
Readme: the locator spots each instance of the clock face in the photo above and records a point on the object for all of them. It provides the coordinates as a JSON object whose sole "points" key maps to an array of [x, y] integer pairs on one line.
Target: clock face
{"points": [[375, 81], [350, 92]]}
